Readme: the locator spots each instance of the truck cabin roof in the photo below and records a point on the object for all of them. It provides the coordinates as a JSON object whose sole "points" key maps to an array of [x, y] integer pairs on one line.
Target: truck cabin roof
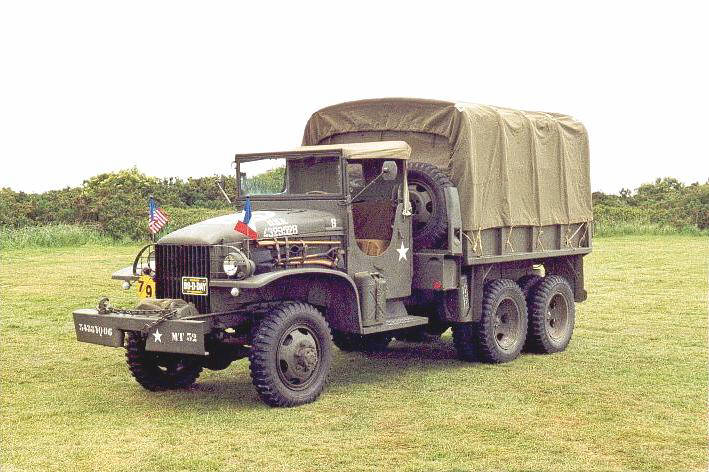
{"points": [[371, 150]]}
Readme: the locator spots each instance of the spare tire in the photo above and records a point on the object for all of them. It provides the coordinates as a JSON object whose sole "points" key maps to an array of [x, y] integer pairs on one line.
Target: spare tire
{"points": [[428, 205]]}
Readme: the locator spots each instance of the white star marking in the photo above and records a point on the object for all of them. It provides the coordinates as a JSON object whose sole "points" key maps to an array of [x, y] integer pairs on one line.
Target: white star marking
{"points": [[402, 251], [158, 336]]}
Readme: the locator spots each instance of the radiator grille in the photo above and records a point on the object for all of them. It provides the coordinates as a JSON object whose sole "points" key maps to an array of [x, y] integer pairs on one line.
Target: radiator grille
{"points": [[172, 262]]}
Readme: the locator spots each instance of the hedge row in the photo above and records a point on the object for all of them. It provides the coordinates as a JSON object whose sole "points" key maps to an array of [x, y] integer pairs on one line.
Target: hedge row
{"points": [[116, 205], [60, 235]]}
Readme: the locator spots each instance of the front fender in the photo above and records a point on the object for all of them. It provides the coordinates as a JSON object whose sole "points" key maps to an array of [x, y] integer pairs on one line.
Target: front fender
{"points": [[261, 280], [142, 261], [126, 274], [331, 289]]}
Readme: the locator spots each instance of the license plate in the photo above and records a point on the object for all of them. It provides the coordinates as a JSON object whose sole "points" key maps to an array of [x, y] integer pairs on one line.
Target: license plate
{"points": [[195, 286], [146, 286]]}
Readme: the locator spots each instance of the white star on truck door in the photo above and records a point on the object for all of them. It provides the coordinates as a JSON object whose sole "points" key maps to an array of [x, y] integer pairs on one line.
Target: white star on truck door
{"points": [[402, 251], [158, 336]]}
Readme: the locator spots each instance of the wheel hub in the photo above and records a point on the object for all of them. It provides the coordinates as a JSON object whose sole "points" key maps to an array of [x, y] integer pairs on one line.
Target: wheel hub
{"points": [[557, 317], [306, 359], [298, 357], [421, 203], [506, 325]]}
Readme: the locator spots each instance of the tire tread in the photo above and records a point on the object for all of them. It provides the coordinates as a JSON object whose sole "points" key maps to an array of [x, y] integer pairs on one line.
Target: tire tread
{"points": [[433, 235], [537, 338], [149, 376], [486, 345], [264, 376]]}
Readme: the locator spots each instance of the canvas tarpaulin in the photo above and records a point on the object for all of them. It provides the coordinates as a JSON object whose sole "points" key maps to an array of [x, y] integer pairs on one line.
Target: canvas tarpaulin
{"points": [[511, 167]]}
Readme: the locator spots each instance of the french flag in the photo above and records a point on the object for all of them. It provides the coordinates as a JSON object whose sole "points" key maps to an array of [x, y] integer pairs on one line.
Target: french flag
{"points": [[243, 226]]}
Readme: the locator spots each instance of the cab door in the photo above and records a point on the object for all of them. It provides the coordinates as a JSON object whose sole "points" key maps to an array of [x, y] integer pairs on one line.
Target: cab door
{"points": [[379, 255]]}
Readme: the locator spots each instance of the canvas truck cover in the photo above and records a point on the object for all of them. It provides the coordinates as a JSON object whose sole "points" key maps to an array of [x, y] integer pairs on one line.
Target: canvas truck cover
{"points": [[511, 167]]}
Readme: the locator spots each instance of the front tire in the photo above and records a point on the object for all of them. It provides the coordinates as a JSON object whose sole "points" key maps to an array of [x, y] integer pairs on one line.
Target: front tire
{"points": [[157, 371], [552, 315], [291, 354]]}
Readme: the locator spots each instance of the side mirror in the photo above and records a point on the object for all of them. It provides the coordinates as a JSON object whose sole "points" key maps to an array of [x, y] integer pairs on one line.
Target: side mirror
{"points": [[389, 170]]}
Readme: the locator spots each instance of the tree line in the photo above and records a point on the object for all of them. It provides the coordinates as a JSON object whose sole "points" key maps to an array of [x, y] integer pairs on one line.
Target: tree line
{"points": [[116, 203], [665, 202]]}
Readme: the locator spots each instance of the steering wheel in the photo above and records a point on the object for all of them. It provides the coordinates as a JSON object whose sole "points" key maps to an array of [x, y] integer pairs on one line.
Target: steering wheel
{"points": [[316, 192]]}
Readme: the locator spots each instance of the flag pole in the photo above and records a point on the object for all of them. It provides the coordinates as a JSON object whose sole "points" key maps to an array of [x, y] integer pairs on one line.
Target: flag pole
{"points": [[152, 235]]}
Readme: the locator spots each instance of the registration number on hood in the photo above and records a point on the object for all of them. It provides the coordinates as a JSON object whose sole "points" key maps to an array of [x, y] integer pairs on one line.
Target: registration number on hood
{"points": [[195, 286], [282, 230]]}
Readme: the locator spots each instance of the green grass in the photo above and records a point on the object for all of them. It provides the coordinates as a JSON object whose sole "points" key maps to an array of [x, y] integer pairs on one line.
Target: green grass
{"points": [[604, 229], [52, 236], [630, 393]]}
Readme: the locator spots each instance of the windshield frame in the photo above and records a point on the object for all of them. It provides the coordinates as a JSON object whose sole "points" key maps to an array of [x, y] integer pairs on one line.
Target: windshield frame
{"points": [[239, 159]]}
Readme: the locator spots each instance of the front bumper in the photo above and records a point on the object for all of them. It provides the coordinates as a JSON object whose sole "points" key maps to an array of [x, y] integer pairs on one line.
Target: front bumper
{"points": [[177, 336]]}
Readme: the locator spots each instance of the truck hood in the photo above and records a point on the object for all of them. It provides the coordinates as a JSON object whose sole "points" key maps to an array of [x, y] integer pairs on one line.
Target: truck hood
{"points": [[268, 223]]}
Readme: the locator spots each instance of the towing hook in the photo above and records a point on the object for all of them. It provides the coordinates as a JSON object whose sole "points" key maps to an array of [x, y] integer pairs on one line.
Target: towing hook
{"points": [[103, 306]]}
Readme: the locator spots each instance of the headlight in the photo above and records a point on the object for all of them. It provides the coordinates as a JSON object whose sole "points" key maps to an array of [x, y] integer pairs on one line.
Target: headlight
{"points": [[236, 264], [231, 264]]}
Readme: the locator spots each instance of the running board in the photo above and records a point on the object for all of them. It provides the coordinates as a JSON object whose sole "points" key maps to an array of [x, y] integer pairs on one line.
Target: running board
{"points": [[399, 322]]}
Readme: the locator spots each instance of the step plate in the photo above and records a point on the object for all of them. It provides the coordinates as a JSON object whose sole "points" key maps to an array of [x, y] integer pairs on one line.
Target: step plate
{"points": [[399, 322]]}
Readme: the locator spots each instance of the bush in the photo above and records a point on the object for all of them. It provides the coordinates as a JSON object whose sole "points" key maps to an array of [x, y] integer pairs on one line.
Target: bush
{"points": [[181, 217], [118, 202], [665, 205], [115, 204], [15, 209]]}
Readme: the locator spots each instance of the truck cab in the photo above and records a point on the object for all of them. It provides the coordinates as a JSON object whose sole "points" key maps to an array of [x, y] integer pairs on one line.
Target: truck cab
{"points": [[341, 209]]}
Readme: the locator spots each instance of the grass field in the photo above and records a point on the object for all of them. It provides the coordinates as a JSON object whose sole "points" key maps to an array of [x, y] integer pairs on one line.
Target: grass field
{"points": [[630, 393]]}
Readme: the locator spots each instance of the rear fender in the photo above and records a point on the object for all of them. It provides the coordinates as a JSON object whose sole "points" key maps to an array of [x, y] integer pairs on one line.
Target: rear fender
{"points": [[571, 268]]}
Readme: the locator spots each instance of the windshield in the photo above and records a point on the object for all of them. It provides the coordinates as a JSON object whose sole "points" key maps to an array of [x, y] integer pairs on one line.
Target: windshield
{"points": [[307, 175]]}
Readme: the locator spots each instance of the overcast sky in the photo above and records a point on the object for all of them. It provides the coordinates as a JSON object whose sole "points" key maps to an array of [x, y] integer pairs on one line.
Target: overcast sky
{"points": [[177, 88]]}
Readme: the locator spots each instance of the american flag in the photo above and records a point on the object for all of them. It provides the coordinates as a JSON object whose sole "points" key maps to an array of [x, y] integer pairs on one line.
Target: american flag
{"points": [[158, 218]]}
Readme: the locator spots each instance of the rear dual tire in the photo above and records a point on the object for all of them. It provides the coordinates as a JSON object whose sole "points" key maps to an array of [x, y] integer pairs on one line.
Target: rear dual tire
{"points": [[501, 332], [552, 315], [537, 314]]}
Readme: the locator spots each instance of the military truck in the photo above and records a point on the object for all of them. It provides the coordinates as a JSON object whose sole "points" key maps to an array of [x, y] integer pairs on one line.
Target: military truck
{"points": [[397, 218]]}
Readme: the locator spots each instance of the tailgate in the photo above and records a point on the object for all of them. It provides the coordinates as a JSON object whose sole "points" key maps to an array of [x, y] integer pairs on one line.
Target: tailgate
{"points": [[178, 336]]}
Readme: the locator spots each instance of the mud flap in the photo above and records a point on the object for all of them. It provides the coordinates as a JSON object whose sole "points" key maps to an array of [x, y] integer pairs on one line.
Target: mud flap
{"points": [[457, 303]]}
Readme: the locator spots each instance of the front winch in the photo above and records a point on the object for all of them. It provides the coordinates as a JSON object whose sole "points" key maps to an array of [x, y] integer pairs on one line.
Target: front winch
{"points": [[166, 309], [166, 325]]}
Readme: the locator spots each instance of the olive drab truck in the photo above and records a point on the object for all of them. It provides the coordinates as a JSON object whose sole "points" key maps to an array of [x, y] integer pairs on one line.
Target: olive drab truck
{"points": [[395, 219]]}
